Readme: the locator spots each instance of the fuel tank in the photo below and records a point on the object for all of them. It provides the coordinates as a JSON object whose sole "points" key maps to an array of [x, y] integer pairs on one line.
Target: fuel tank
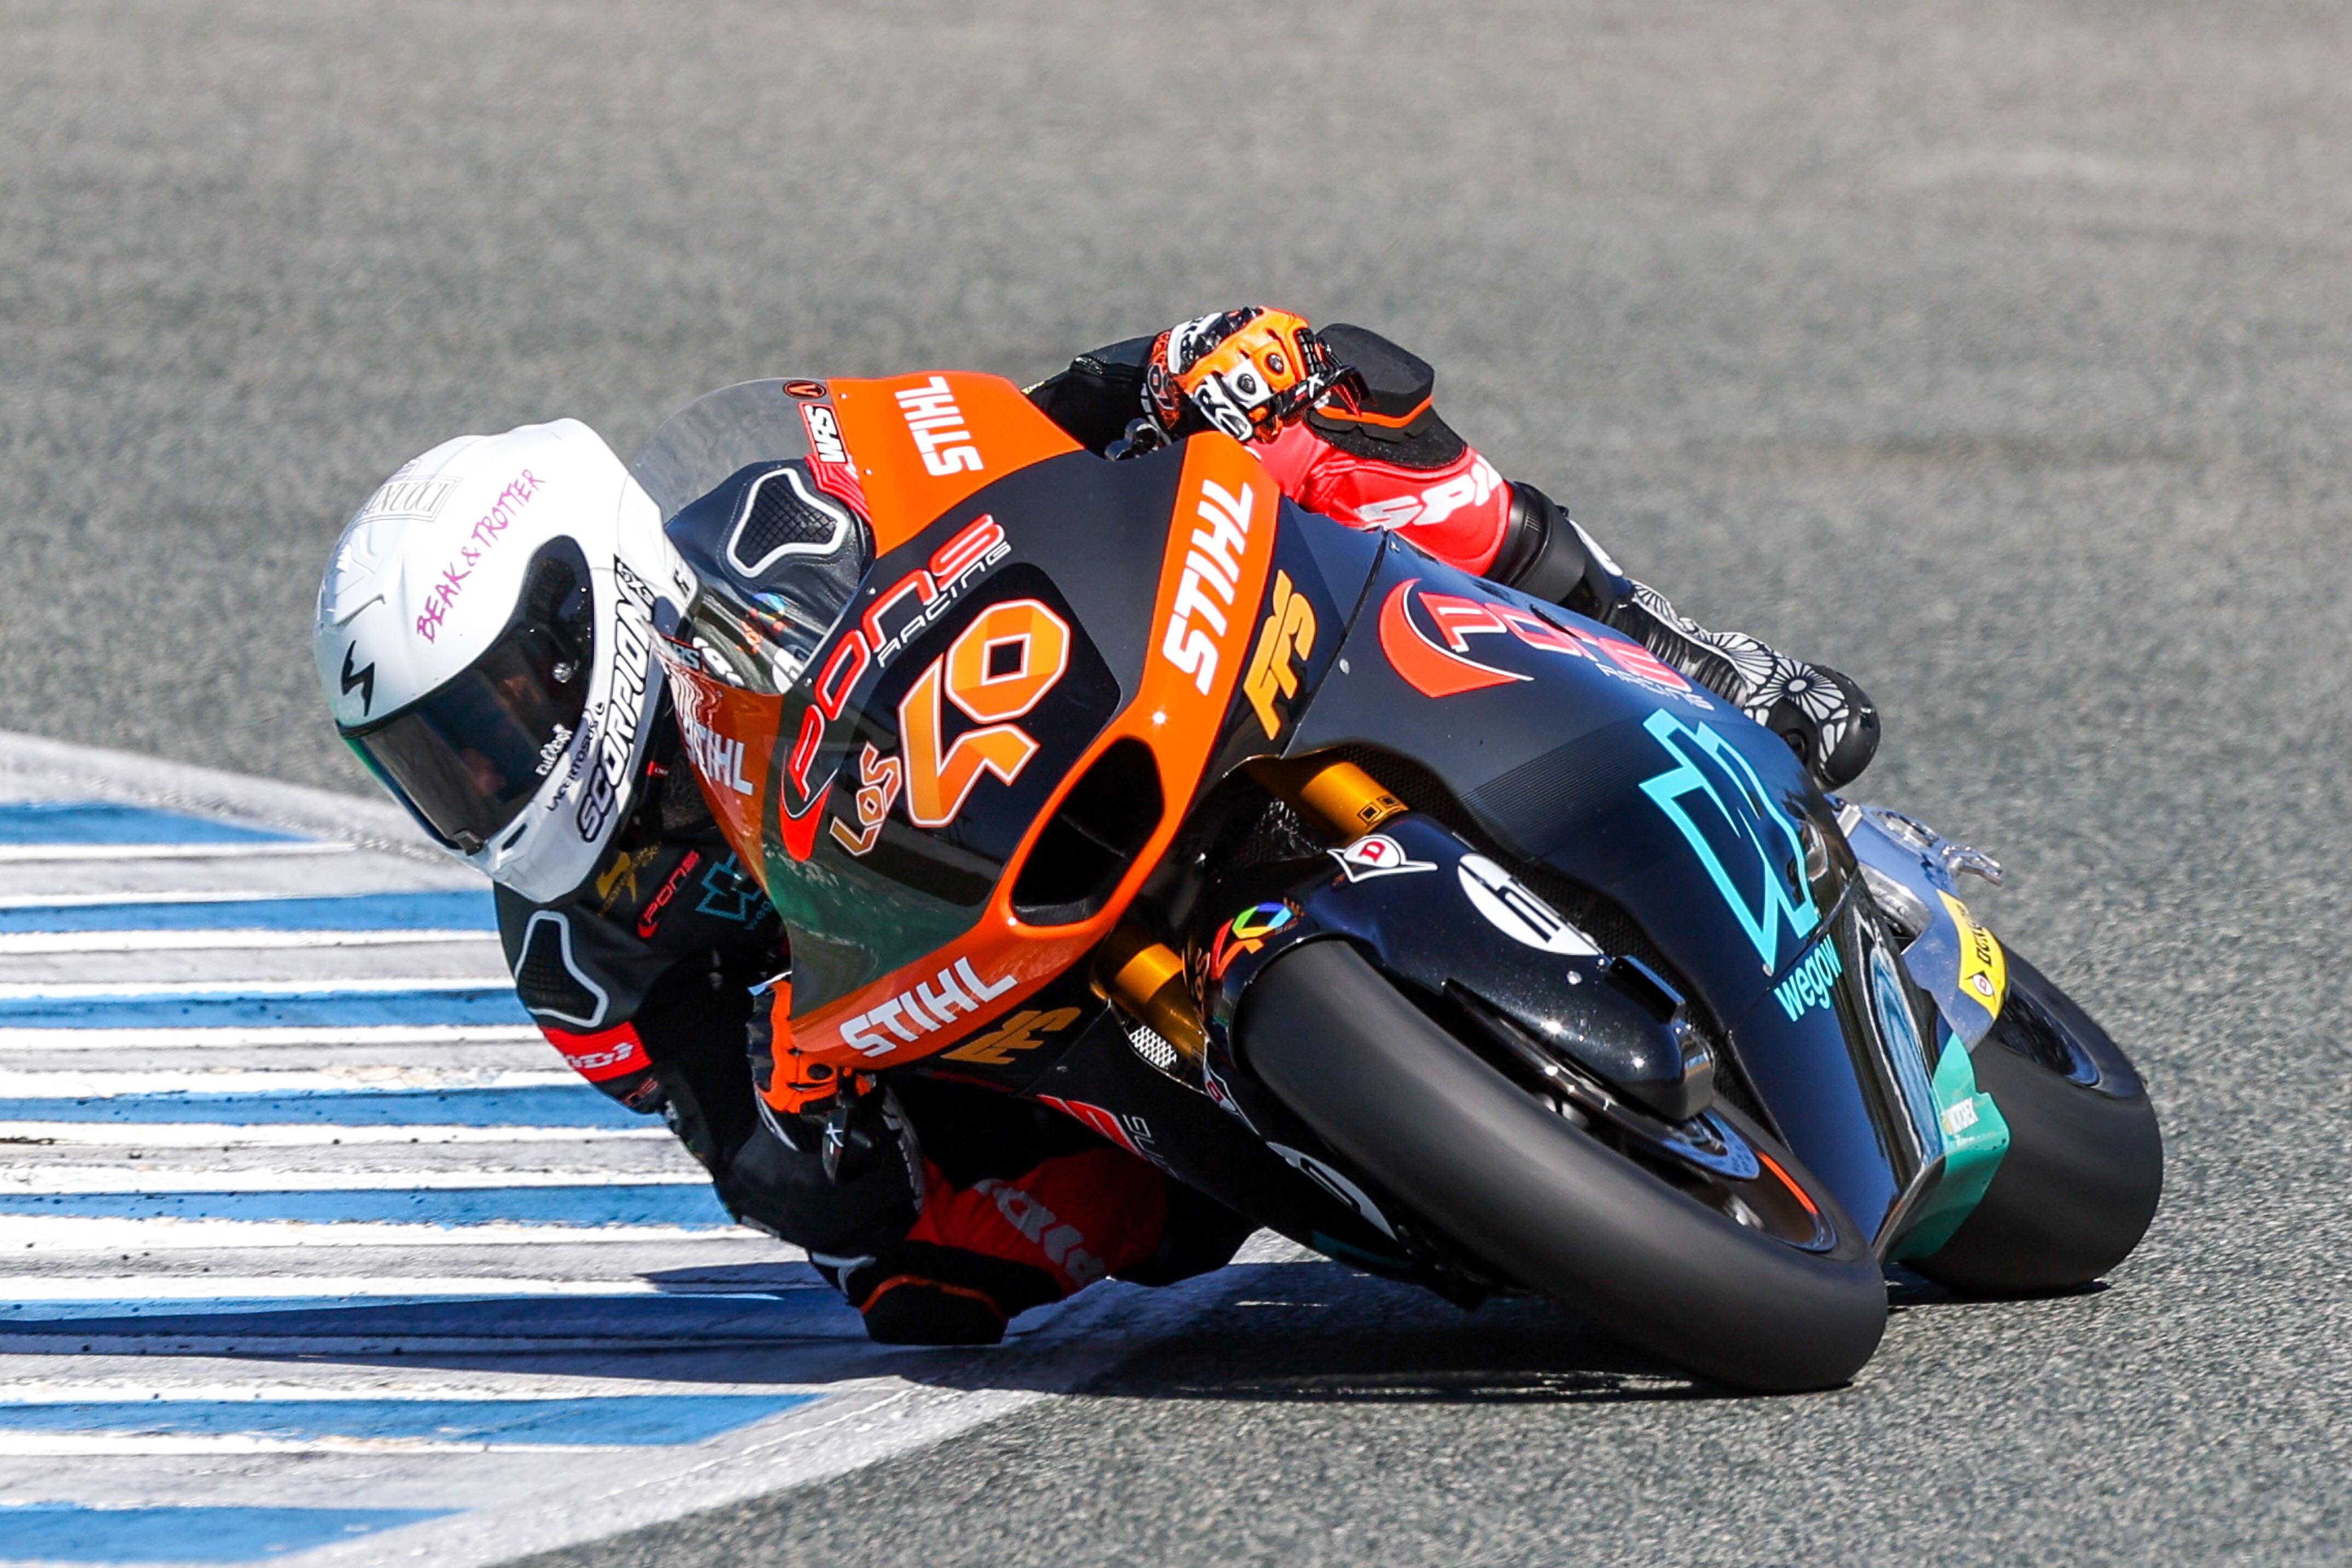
{"points": [[1572, 747]]}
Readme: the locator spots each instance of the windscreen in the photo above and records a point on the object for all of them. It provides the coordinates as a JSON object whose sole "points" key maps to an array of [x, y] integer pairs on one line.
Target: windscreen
{"points": [[717, 436], [744, 500]]}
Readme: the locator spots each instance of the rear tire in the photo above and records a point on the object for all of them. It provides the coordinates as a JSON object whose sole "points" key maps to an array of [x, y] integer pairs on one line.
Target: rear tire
{"points": [[1506, 1177], [2085, 1169]]}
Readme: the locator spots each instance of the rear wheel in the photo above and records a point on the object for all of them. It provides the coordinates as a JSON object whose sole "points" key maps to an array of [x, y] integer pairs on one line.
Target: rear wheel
{"points": [[2084, 1169], [1759, 1283]]}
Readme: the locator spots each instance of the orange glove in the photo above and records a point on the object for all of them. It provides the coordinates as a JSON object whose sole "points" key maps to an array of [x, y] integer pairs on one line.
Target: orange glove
{"points": [[1248, 372]]}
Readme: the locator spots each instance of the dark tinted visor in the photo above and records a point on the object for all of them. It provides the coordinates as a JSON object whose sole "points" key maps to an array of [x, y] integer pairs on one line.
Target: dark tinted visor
{"points": [[467, 755]]}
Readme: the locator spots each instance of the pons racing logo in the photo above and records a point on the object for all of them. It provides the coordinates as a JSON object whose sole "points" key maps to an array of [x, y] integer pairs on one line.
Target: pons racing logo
{"points": [[1212, 574], [1714, 796]]}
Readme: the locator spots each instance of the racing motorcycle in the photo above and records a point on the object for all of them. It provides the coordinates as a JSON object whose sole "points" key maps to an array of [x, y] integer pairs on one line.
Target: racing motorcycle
{"points": [[1444, 931]]}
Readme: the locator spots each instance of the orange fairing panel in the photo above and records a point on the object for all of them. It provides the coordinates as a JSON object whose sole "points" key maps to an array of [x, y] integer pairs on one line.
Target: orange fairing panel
{"points": [[921, 443], [732, 734], [1212, 582]]}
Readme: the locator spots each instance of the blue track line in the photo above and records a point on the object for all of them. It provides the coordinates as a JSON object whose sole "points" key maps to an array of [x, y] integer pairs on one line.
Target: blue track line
{"points": [[103, 822], [811, 1296], [652, 1420], [465, 911], [787, 1317], [71, 1532], [232, 1008], [682, 1204], [551, 1105]]}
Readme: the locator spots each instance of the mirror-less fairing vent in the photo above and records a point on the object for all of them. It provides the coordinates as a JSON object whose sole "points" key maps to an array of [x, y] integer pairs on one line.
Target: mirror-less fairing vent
{"points": [[783, 516], [1103, 823]]}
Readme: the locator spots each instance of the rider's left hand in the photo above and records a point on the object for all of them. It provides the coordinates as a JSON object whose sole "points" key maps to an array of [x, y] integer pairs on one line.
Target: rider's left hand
{"points": [[1248, 372]]}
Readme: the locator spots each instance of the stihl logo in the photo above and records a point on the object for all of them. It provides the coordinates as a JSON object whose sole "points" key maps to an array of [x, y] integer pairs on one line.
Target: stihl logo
{"points": [[1214, 567], [825, 433], [718, 757], [1435, 504], [937, 426], [925, 1009]]}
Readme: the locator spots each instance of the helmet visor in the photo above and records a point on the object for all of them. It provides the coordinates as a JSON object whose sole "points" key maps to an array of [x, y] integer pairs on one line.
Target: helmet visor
{"points": [[467, 755]]}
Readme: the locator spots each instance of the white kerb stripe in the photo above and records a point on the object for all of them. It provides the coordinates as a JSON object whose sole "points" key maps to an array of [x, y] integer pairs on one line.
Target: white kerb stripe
{"points": [[112, 1287], [21, 943], [40, 1233], [130, 990], [394, 1037], [66, 1179], [303, 1134], [422, 1078], [132, 897], [21, 854]]}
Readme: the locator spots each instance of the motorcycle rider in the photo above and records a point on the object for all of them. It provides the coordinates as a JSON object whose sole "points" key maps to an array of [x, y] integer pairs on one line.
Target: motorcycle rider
{"points": [[484, 637]]}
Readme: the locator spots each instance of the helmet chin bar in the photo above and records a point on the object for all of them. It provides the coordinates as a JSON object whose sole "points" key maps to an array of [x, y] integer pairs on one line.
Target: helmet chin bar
{"points": [[593, 785]]}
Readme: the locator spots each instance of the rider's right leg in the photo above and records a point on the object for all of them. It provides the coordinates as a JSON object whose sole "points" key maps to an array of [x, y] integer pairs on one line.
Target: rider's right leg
{"points": [[957, 1208], [1826, 719]]}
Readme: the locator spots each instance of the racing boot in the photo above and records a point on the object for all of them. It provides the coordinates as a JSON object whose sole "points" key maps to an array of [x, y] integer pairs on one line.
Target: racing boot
{"points": [[1825, 719]]}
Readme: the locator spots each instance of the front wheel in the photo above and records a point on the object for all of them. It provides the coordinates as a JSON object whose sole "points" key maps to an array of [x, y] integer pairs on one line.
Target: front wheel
{"points": [[2084, 1169], [1711, 1288]]}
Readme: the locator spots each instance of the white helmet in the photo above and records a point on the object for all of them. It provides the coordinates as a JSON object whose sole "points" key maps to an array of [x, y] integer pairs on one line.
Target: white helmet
{"points": [[485, 636]]}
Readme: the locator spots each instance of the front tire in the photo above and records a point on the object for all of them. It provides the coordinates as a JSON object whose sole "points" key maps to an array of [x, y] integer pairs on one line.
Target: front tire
{"points": [[1505, 1176], [2085, 1169]]}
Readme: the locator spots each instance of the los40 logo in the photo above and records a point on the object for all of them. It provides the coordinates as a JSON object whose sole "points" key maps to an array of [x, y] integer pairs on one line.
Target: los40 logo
{"points": [[976, 709], [998, 669]]}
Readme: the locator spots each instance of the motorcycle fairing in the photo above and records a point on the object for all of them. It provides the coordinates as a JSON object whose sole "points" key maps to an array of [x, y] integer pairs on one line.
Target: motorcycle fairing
{"points": [[1694, 820], [1699, 826], [1438, 915], [1326, 568], [925, 443], [1831, 1075], [1176, 652], [1098, 1078], [1955, 959], [1959, 965]]}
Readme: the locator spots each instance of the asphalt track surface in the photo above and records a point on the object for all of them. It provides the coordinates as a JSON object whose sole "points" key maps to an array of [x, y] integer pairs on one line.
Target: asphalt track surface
{"points": [[1998, 353]]}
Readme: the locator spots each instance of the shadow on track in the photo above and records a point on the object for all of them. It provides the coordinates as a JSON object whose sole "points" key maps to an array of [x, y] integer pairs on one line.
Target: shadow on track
{"points": [[1312, 1331], [1285, 1333]]}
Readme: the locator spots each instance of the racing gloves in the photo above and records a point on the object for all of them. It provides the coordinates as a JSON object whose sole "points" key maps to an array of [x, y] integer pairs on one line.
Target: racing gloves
{"points": [[1345, 420]]}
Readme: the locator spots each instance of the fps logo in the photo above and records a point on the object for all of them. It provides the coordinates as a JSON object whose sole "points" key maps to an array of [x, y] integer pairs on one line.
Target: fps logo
{"points": [[1714, 796]]}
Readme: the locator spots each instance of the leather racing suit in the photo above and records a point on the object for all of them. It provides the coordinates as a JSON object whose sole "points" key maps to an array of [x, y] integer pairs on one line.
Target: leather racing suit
{"points": [[924, 1209]]}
